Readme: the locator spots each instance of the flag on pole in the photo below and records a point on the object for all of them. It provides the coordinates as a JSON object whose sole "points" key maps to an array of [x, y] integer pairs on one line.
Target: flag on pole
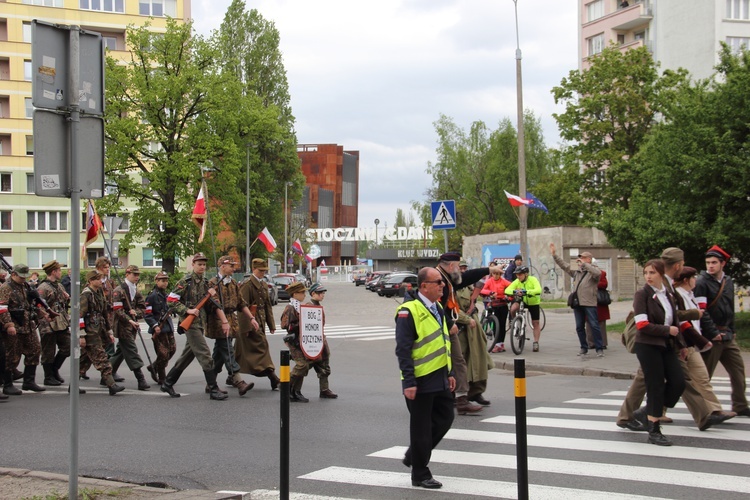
{"points": [[267, 240], [308, 258], [297, 248], [535, 203], [516, 201], [93, 226], [199, 212]]}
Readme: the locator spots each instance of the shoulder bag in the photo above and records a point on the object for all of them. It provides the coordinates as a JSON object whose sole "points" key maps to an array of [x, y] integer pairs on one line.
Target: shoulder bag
{"points": [[573, 297]]}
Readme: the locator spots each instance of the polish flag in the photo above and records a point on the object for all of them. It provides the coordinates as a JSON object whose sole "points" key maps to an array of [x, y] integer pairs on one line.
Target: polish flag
{"points": [[81, 323], [516, 201], [199, 213], [641, 320], [173, 297], [267, 239], [117, 306], [308, 258], [297, 248], [93, 226]]}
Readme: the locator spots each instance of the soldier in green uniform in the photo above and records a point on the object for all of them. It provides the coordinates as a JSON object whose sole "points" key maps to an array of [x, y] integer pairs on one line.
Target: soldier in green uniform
{"points": [[232, 304], [160, 327], [128, 306], [189, 291], [19, 319], [252, 351], [94, 325], [55, 332]]}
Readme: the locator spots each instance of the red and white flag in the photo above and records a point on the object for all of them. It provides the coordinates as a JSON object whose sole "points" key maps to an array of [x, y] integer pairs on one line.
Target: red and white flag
{"points": [[297, 247], [93, 226], [308, 258], [516, 201], [199, 213], [267, 239]]}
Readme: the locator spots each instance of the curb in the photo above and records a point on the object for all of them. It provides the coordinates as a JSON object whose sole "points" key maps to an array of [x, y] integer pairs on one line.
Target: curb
{"points": [[566, 370]]}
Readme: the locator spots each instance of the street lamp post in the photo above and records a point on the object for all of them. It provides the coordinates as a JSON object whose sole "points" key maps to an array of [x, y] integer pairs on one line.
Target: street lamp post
{"points": [[286, 222], [377, 221], [247, 211], [523, 210]]}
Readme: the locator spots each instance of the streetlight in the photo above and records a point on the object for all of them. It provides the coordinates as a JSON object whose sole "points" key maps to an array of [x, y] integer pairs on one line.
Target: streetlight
{"points": [[247, 211], [523, 210], [377, 221], [286, 221]]}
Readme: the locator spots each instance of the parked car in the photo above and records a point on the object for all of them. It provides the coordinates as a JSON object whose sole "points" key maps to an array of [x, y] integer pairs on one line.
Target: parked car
{"points": [[396, 284], [282, 281], [359, 276], [273, 292], [374, 278]]}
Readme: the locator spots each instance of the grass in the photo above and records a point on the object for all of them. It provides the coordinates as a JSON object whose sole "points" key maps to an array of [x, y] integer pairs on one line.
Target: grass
{"points": [[84, 494], [741, 325]]}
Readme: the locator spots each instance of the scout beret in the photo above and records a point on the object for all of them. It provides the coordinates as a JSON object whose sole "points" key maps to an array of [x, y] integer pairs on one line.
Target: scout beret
{"points": [[672, 255], [92, 275], [295, 287], [21, 270], [260, 264], [450, 257], [225, 259], [200, 256], [317, 288], [50, 266], [161, 275], [132, 269], [717, 251]]}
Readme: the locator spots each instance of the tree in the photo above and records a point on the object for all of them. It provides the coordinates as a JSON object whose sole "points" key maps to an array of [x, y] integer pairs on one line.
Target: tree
{"points": [[609, 110]]}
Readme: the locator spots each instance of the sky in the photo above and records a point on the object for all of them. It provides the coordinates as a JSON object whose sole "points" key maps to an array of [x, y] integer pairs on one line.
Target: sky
{"points": [[374, 76]]}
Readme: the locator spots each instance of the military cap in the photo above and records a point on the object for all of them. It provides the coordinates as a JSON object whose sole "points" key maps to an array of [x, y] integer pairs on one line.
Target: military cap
{"points": [[92, 275], [717, 251], [161, 275], [295, 287], [50, 266], [260, 264], [317, 288], [450, 257], [672, 255], [200, 256], [225, 259], [463, 263], [132, 269], [21, 270]]}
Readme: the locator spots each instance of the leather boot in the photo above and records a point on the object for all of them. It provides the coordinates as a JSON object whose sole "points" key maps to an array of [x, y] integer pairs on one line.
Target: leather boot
{"points": [[169, 381], [242, 386], [49, 378], [216, 394], [8, 388], [655, 436], [114, 389], [162, 375], [466, 407], [208, 389], [80, 391], [17, 374], [153, 372], [142, 384], [56, 365], [29, 374], [275, 381], [295, 388]]}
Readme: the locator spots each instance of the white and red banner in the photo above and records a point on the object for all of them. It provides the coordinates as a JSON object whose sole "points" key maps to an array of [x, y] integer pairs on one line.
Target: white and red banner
{"points": [[199, 213], [516, 201], [93, 226], [267, 239], [297, 247], [311, 337]]}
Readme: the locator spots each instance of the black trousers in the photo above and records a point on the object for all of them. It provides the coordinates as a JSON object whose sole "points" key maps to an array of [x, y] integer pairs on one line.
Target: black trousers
{"points": [[431, 416], [501, 312], [663, 374]]}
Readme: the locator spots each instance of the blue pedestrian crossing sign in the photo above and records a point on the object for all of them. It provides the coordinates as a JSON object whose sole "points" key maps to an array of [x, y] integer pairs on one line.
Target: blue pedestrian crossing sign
{"points": [[444, 214]]}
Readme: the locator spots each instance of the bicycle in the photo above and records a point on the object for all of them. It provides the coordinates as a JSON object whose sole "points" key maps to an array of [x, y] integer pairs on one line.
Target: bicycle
{"points": [[490, 324], [518, 325]]}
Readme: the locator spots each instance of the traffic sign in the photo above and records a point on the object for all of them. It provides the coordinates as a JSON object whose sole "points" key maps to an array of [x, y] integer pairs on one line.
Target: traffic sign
{"points": [[443, 214]]}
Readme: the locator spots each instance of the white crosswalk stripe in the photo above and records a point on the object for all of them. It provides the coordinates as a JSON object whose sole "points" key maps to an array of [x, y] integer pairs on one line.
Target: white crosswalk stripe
{"points": [[357, 332], [613, 463]]}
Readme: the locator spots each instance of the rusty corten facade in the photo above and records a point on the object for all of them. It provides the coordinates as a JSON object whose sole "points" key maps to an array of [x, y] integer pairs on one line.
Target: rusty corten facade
{"points": [[332, 191]]}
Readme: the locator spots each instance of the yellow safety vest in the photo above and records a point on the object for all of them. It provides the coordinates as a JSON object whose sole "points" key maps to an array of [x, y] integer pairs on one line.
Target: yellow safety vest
{"points": [[432, 349]]}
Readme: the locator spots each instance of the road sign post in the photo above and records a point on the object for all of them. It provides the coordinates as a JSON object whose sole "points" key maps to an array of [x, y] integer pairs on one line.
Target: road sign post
{"points": [[444, 217]]}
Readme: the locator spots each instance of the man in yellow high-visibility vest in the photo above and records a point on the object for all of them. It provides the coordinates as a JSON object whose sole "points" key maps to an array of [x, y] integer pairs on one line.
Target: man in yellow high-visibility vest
{"points": [[424, 357]]}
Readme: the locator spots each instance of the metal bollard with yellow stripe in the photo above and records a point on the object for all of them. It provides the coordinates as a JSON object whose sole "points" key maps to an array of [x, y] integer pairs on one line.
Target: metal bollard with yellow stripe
{"points": [[522, 455], [284, 441]]}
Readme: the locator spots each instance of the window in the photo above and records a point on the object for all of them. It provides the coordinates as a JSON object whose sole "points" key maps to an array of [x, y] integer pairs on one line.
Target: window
{"points": [[6, 183], [639, 35], [737, 43], [110, 42], [27, 70], [595, 44], [27, 32], [29, 107], [157, 8], [6, 220], [103, 5], [595, 10], [37, 257], [45, 3], [46, 221], [738, 9], [92, 255], [30, 187], [620, 39], [29, 145], [152, 259]]}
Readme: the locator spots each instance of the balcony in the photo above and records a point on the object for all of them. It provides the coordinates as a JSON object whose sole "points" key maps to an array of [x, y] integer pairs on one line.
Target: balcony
{"points": [[632, 17]]}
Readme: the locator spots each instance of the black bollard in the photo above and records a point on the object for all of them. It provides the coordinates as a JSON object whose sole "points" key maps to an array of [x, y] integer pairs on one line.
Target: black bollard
{"points": [[522, 452], [284, 452]]}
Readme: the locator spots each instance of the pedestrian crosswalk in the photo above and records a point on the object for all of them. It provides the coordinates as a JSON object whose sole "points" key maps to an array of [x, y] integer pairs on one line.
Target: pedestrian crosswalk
{"points": [[357, 332], [575, 451]]}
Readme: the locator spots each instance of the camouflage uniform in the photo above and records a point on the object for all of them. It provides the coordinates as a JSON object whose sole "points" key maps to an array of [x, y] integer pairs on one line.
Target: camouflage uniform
{"points": [[55, 332], [109, 346], [16, 310], [94, 326], [164, 344], [228, 293], [126, 335]]}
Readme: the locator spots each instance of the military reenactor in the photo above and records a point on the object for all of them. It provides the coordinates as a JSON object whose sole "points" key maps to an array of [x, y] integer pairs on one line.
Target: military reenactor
{"points": [[18, 318], [290, 323], [229, 296], [128, 306], [322, 366], [94, 325], [192, 296], [160, 327], [55, 332], [252, 351]]}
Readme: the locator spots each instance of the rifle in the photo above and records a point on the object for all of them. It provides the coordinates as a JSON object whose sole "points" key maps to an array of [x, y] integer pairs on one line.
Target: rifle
{"points": [[31, 292], [186, 323]]}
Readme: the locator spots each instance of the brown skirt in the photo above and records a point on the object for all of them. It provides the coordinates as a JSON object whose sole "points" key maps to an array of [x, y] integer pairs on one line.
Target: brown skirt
{"points": [[252, 353]]}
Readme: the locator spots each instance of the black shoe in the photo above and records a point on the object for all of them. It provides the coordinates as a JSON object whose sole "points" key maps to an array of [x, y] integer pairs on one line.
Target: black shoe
{"points": [[229, 381], [711, 421], [12, 390], [297, 397], [640, 416], [117, 377], [430, 484], [84, 376], [633, 425], [114, 389], [217, 395], [51, 381], [169, 390], [17, 374], [480, 399], [274, 382], [154, 375], [80, 391], [655, 436], [744, 413]]}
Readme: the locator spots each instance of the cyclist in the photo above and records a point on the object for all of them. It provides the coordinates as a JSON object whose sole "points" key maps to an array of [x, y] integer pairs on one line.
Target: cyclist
{"points": [[528, 287], [494, 289]]}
